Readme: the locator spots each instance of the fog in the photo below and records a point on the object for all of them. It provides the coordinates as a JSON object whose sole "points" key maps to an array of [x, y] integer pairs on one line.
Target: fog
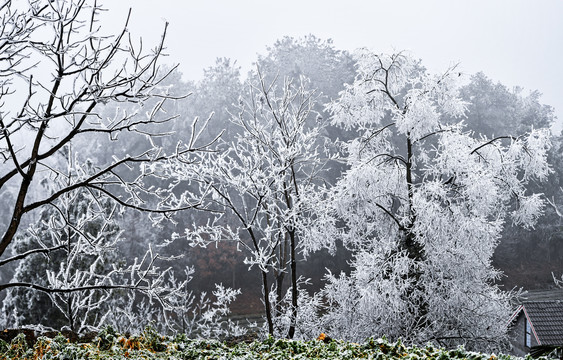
{"points": [[518, 43]]}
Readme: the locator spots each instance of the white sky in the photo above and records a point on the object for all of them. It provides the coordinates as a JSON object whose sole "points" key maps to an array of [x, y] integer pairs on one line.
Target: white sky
{"points": [[516, 42]]}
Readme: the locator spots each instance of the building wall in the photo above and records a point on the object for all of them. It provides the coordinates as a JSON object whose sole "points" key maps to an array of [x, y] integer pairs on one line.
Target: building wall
{"points": [[517, 335]]}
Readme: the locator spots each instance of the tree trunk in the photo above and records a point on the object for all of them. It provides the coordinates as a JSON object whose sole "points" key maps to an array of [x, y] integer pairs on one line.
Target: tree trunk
{"points": [[294, 290], [27, 177], [267, 306], [71, 323], [414, 249], [16, 216], [279, 291], [280, 272]]}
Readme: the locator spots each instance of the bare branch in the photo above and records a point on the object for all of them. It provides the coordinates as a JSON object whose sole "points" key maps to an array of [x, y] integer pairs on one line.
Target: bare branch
{"points": [[30, 252], [490, 142]]}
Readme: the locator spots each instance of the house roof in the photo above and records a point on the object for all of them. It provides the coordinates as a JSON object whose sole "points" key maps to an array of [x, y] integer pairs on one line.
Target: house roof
{"points": [[546, 320], [541, 295]]}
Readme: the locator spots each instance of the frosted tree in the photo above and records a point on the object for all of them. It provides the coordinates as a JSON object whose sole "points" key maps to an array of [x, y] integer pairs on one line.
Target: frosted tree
{"points": [[82, 234], [422, 206], [81, 273], [318, 60], [557, 207], [493, 108], [259, 182], [67, 71]]}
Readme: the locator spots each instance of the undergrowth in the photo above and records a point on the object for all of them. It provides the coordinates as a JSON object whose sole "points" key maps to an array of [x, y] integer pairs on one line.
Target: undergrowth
{"points": [[150, 345]]}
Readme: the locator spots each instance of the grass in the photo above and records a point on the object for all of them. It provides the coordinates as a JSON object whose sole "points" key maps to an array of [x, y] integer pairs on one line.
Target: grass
{"points": [[150, 345]]}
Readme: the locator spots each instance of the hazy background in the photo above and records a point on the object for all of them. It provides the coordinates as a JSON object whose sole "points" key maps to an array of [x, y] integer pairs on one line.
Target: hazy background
{"points": [[516, 42]]}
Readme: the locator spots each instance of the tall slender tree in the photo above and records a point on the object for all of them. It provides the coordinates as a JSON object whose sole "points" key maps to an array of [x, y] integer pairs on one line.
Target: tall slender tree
{"points": [[260, 180]]}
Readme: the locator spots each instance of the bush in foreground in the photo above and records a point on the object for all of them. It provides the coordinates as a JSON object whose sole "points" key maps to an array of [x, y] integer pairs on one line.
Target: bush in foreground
{"points": [[150, 345]]}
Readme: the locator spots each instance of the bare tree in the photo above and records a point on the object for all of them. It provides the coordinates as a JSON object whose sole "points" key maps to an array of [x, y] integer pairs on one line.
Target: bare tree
{"points": [[58, 72]]}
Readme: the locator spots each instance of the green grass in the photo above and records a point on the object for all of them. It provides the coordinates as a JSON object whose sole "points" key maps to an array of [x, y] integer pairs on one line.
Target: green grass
{"points": [[150, 345]]}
